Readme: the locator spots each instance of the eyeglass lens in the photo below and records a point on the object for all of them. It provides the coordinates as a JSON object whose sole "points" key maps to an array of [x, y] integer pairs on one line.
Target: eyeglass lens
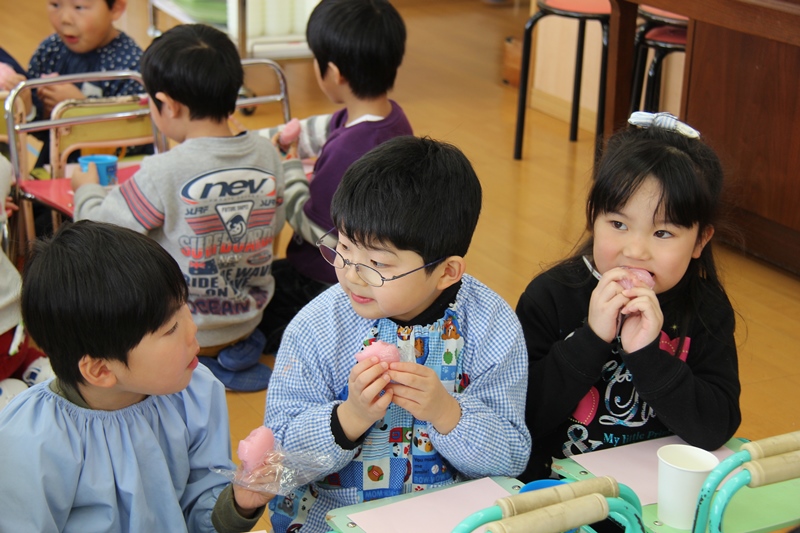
{"points": [[331, 256], [369, 275]]}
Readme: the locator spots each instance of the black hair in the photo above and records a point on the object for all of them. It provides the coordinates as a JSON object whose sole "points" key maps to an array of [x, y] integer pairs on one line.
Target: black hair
{"points": [[687, 170], [416, 194], [110, 3], [97, 289], [690, 177], [365, 39], [196, 65]]}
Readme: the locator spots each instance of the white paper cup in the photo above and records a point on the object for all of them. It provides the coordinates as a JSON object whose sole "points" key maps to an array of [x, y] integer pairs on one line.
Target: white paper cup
{"points": [[682, 469]]}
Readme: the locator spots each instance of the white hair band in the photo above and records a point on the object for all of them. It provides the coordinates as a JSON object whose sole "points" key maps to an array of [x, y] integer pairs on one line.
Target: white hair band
{"points": [[666, 121]]}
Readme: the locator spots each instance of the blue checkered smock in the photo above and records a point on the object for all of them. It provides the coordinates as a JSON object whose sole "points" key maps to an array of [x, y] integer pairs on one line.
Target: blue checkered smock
{"points": [[478, 350]]}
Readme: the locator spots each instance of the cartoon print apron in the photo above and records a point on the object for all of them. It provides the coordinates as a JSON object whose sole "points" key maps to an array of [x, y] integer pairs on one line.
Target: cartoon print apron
{"points": [[397, 455]]}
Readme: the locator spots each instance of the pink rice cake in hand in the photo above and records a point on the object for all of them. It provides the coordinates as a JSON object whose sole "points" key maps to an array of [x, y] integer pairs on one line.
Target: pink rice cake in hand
{"points": [[289, 134], [252, 449], [637, 274], [382, 350]]}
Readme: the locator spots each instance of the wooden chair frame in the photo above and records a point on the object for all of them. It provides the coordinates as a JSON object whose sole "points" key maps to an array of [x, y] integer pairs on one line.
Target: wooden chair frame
{"points": [[11, 227], [121, 133], [20, 118]]}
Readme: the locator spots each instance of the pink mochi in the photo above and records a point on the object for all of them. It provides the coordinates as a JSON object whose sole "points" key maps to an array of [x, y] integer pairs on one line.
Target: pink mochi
{"points": [[638, 274], [251, 450], [290, 133], [382, 350]]}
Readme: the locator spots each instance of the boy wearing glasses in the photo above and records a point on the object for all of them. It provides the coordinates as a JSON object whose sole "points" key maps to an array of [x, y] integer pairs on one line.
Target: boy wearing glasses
{"points": [[453, 407]]}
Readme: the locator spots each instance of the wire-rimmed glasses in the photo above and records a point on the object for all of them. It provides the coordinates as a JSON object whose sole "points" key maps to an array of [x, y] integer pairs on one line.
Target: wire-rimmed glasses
{"points": [[368, 275]]}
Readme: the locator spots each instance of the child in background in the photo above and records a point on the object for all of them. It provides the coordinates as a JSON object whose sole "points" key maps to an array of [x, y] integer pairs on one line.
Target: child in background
{"points": [[452, 408], [214, 201], [358, 46], [11, 74], [17, 352], [85, 40], [122, 438], [612, 360]]}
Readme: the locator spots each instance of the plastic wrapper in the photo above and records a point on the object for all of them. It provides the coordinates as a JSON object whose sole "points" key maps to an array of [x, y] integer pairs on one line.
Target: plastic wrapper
{"points": [[280, 472], [382, 350]]}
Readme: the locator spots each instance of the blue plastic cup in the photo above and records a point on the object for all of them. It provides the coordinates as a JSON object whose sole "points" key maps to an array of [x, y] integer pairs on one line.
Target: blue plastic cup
{"points": [[106, 167]]}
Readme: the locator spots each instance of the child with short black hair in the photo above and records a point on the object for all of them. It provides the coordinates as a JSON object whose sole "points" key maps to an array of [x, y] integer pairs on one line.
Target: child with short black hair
{"points": [[214, 201], [195, 66], [85, 40], [632, 337], [123, 437], [343, 35], [452, 408], [358, 45]]}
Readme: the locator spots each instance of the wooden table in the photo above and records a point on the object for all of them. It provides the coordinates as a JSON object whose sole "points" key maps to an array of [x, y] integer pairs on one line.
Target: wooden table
{"points": [[741, 91]]}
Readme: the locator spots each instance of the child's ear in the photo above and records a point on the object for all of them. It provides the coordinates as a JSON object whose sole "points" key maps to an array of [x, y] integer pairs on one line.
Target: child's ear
{"points": [[170, 107], [702, 240], [454, 268], [334, 71], [96, 372], [118, 9]]}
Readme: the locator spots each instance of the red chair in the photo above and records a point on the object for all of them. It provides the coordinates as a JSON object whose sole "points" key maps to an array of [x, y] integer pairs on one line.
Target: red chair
{"points": [[664, 32]]}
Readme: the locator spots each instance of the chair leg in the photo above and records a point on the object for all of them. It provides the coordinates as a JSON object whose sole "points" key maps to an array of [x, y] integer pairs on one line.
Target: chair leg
{"points": [[640, 58], [639, 66], [576, 85], [653, 82], [524, 71], [601, 100], [657, 97], [28, 229], [55, 217], [20, 241]]}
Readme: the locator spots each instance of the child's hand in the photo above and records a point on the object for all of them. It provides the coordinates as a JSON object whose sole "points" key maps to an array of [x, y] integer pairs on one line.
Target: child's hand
{"points": [[365, 404], [287, 151], [611, 301], [51, 95], [10, 207], [606, 303], [418, 390], [248, 501], [643, 319], [81, 178], [9, 78]]}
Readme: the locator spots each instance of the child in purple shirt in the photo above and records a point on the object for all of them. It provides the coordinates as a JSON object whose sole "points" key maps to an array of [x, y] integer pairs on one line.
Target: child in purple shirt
{"points": [[358, 46]]}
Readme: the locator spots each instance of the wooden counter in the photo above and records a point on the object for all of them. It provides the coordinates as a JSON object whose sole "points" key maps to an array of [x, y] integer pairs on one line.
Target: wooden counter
{"points": [[741, 90]]}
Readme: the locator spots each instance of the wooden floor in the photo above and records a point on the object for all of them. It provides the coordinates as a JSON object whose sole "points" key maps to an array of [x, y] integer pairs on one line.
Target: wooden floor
{"points": [[449, 86]]}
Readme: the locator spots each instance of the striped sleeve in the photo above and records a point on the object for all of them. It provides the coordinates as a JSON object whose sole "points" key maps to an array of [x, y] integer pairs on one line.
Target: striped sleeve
{"points": [[125, 206], [145, 213], [313, 135]]}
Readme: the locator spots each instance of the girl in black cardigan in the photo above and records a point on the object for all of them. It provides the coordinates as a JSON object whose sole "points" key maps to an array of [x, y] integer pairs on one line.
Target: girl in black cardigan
{"points": [[612, 360]]}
